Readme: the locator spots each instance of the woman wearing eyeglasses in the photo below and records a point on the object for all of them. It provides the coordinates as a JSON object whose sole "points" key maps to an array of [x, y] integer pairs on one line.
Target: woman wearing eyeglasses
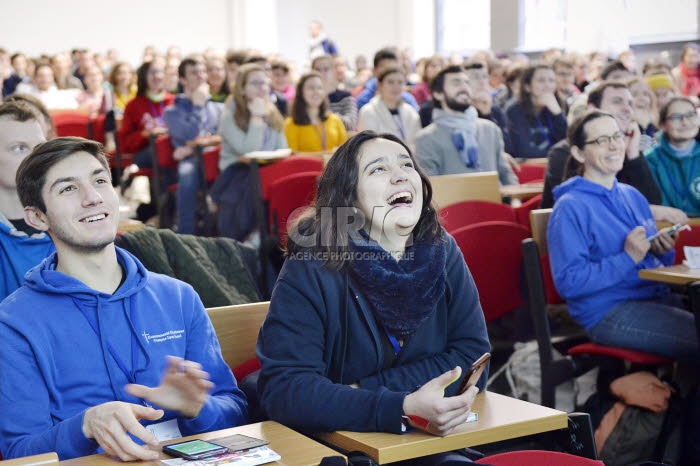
{"points": [[251, 123], [254, 123], [598, 240], [675, 161]]}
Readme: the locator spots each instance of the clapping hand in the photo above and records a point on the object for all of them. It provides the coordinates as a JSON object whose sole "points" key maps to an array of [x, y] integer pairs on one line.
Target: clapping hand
{"points": [[184, 388]]}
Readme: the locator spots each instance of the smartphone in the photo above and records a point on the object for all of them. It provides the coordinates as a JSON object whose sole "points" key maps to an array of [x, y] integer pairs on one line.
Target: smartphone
{"points": [[670, 230], [195, 449], [474, 373]]}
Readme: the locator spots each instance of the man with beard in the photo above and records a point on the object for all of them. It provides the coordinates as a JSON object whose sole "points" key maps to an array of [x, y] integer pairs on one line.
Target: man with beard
{"points": [[457, 141], [91, 330], [612, 97]]}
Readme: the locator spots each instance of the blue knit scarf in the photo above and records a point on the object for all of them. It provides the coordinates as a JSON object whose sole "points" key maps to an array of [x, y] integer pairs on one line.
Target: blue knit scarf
{"points": [[463, 130], [402, 294]]}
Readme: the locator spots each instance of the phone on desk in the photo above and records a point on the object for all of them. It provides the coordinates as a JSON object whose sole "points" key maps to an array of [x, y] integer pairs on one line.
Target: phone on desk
{"points": [[670, 230], [474, 373], [195, 449]]}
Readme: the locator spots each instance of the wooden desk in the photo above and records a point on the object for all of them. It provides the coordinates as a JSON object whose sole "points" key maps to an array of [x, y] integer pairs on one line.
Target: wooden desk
{"points": [[672, 275], [522, 191], [500, 418], [451, 189], [294, 448], [679, 275]]}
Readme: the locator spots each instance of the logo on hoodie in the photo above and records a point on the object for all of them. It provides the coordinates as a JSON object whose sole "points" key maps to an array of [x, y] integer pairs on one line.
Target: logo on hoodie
{"points": [[161, 337]]}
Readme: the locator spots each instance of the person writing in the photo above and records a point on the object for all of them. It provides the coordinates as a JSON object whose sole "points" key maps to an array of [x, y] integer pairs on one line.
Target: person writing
{"points": [[361, 315], [114, 355], [598, 240]]}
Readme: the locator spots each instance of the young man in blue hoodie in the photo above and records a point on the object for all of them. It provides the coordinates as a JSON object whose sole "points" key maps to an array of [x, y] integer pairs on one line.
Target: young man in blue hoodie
{"points": [[91, 330], [193, 115], [21, 246]]}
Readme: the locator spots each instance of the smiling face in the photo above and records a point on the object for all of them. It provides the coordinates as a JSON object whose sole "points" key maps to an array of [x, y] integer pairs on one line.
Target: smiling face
{"points": [[641, 95], [82, 207], [17, 139], [617, 101], [543, 82], [456, 93], [681, 124], [391, 88], [389, 192], [313, 92], [195, 76], [156, 77], [601, 161]]}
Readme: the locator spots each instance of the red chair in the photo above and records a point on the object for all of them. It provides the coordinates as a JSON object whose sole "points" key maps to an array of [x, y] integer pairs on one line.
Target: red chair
{"points": [[538, 278], [496, 268], [537, 458], [531, 173], [288, 194], [465, 213], [522, 213], [686, 238], [294, 164], [72, 123]]}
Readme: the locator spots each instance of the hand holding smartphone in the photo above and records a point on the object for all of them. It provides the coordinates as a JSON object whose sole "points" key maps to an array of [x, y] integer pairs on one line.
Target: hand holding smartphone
{"points": [[670, 230], [474, 373]]}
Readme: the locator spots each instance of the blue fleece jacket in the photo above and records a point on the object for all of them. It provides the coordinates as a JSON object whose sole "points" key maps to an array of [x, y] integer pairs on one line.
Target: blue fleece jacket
{"points": [[371, 88], [54, 366], [586, 239], [678, 177], [19, 253], [301, 349], [186, 121], [532, 138]]}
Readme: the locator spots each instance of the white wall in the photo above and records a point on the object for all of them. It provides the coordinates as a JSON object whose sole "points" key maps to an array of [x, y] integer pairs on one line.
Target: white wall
{"points": [[357, 26], [49, 26]]}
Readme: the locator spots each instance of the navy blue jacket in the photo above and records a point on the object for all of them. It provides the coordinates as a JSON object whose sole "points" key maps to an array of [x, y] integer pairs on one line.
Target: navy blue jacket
{"points": [[301, 349], [530, 139]]}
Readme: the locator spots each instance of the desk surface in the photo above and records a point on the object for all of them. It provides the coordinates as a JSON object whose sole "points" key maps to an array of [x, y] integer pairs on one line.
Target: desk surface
{"points": [[522, 191], [500, 418], [672, 275], [294, 448]]}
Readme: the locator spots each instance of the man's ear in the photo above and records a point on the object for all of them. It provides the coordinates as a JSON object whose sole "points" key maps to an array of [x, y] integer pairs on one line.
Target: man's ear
{"points": [[577, 154], [35, 218], [440, 97]]}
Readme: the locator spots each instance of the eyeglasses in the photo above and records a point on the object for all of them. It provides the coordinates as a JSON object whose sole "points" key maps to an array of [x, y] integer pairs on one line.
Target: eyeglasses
{"points": [[678, 117], [257, 83], [605, 140]]}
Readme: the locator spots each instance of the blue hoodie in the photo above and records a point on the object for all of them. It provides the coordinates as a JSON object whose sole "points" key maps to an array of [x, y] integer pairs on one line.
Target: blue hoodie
{"points": [[54, 366], [19, 253], [586, 243]]}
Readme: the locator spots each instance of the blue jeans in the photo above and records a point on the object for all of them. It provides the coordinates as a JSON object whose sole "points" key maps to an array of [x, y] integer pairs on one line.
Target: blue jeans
{"points": [[656, 327], [187, 186]]}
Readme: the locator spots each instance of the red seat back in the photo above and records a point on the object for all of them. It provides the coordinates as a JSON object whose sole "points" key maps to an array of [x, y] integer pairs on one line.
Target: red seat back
{"points": [[98, 128], [531, 173], [71, 123], [211, 163], [686, 238], [522, 213], [537, 458], [294, 164], [465, 213], [164, 152], [286, 195], [496, 267]]}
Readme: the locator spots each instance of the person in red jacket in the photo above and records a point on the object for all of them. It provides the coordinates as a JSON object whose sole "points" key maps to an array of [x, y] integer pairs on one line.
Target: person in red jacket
{"points": [[143, 115]]}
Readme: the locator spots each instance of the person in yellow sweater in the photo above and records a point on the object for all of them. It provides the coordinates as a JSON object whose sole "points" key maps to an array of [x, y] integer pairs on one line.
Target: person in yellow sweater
{"points": [[311, 126]]}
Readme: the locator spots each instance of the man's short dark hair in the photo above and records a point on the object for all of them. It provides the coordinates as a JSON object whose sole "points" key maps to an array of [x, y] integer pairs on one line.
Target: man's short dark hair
{"points": [[31, 174], [189, 61], [596, 96], [384, 54], [18, 111], [612, 67], [255, 59], [438, 82], [235, 56]]}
